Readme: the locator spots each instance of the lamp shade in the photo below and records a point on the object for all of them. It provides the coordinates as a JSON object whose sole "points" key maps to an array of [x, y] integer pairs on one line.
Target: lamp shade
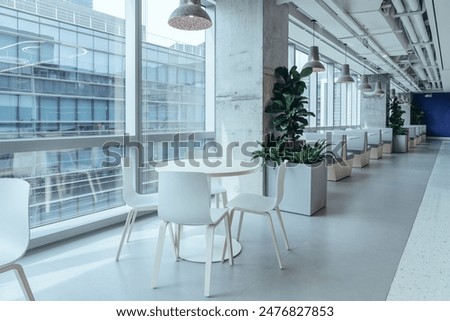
{"points": [[345, 76], [378, 91], [365, 84], [313, 60], [190, 16], [393, 93]]}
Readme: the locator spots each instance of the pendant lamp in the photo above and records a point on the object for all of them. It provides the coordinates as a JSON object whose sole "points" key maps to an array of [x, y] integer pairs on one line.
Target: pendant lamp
{"points": [[345, 75], [190, 16], [378, 91], [313, 58], [393, 96], [365, 80]]}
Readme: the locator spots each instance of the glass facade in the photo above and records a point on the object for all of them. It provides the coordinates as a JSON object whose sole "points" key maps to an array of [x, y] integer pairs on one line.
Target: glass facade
{"points": [[62, 75], [62, 96], [334, 104], [173, 86]]}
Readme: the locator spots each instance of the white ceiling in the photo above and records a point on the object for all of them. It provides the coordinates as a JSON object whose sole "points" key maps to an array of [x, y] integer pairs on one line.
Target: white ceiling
{"points": [[374, 29]]}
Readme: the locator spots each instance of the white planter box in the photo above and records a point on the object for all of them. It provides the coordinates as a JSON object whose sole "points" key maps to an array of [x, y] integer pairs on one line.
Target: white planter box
{"points": [[305, 187], [400, 143]]}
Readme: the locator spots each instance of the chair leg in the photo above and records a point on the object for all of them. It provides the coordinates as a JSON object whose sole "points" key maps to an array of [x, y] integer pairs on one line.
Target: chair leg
{"points": [[274, 238], [217, 198], [230, 222], [176, 238], [159, 249], [23, 281], [133, 219], [229, 241], [224, 199], [280, 218], [241, 218], [208, 258], [124, 233]]}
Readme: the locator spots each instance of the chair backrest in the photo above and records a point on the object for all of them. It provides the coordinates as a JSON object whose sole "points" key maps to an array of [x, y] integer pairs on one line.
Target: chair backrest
{"points": [[386, 135], [339, 143], [357, 140], [15, 221], [184, 198], [129, 188], [280, 183], [374, 136]]}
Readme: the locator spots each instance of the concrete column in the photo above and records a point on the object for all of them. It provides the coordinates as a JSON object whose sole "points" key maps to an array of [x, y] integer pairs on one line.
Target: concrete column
{"points": [[406, 107], [251, 41], [374, 109]]}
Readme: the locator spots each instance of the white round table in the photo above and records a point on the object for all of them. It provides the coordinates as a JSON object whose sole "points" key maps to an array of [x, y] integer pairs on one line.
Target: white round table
{"points": [[192, 248]]}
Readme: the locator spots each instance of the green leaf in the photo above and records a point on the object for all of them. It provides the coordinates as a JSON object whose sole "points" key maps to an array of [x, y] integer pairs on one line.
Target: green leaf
{"points": [[306, 72], [282, 72]]}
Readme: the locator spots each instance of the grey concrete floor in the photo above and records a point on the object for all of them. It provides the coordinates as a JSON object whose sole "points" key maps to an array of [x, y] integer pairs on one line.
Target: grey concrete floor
{"points": [[348, 251]]}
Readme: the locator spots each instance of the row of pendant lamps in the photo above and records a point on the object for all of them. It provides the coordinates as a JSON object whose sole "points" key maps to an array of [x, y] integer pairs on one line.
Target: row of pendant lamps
{"points": [[317, 66], [190, 16]]}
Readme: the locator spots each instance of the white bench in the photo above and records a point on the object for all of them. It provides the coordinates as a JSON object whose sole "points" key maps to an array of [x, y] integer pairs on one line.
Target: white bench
{"points": [[341, 164], [424, 133], [375, 142], [413, 135], [386, 138], [357, 144], [419, 134]]}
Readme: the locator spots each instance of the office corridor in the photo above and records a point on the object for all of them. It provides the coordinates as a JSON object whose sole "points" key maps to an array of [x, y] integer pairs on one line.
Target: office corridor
{"points": [[351, 250]]}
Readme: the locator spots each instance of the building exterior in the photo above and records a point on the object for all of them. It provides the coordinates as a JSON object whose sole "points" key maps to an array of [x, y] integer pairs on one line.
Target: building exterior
{"points": [[62, 74]]}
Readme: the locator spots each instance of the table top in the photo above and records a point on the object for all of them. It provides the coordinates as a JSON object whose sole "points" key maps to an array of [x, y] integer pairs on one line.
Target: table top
{"points": [[214, 167]]}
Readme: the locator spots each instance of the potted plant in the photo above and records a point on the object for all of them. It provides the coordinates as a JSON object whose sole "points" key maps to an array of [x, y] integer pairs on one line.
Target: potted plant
{"points": [[306, 176], [417, 115], [396, 122]]}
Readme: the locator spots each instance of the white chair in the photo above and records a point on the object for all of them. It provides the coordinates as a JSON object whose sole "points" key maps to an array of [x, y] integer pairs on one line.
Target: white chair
{"points": [[14, 229], [217, 191], [263, 205], [184, 199], [137, 202]]}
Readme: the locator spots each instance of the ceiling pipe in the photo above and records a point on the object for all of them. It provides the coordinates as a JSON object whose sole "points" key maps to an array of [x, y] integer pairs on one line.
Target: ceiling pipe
{"points": [[400, 8], [325, 4], [419, 24], [419, 71]]}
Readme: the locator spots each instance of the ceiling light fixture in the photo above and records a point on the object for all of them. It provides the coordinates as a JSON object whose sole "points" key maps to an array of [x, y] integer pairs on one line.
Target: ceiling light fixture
{"points": [[393, 96], [313, 58], [190, 16], [345, 77], [365, 80], [378, 91]]}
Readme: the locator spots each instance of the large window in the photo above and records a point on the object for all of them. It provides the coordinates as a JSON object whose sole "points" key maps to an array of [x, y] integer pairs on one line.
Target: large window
{"points": [[62, 97], [334, 104], [175, 67]]}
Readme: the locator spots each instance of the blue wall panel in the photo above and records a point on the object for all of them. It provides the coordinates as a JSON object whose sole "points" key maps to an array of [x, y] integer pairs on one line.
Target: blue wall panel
{"points": [[437, 112]]}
